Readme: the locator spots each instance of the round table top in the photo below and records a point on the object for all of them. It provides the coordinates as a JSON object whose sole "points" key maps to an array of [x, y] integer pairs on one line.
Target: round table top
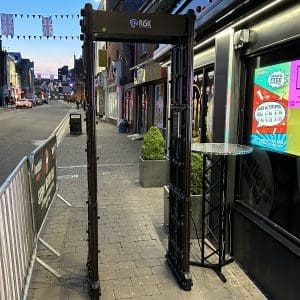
{"points": [[221, 148]]}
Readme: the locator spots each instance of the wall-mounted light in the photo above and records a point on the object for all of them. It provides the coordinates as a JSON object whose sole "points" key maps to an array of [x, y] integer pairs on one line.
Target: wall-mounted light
{"points": [[241, 38]]}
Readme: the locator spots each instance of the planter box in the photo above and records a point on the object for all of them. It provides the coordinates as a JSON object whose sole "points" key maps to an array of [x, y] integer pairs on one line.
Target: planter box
{"points": [[196, 207], [154, 173]]}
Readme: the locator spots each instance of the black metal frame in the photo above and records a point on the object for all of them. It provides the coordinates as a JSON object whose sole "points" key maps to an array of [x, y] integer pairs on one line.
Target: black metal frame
{"points": [[97, 25], [214, 187], [88, 55], [180, 155]]}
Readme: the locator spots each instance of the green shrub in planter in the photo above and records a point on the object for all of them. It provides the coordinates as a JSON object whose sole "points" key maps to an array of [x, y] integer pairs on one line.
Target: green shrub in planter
{"points": [[153, 145], [196, 174]]}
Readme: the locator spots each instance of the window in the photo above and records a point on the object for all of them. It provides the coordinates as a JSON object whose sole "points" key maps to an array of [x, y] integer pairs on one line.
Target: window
{"points": [[203, 104], [270, 176]]}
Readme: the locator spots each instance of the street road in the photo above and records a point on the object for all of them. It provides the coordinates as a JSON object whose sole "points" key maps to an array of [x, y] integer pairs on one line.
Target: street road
{"points": [[22, 130]]}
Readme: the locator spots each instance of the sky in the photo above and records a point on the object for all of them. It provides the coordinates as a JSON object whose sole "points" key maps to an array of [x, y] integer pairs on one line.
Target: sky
{"points": [[47, 54]]}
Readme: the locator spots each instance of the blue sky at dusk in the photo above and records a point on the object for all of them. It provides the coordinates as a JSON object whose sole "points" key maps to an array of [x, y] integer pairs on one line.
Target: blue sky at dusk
{"points": [[48, 54]]}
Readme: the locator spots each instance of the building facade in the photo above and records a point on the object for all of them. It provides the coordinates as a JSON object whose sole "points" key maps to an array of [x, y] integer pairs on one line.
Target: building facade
{"points": [[246, 77], [120, 58], [245, 92]]}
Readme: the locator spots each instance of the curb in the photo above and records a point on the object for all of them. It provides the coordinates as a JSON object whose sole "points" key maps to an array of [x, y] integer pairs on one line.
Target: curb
{"points": [[60, 129]]}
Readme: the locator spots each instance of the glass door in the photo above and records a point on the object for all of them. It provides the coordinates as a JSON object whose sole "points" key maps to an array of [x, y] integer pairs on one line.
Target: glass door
{"points": [[203, 104]]}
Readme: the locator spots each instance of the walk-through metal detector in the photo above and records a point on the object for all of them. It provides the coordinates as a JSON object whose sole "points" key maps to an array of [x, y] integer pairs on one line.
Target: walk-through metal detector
{"points": [[98, 25]]}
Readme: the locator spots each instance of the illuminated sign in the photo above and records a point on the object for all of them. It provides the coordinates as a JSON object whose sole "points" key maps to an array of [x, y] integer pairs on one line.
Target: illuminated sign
{"points": [[276, 108]]}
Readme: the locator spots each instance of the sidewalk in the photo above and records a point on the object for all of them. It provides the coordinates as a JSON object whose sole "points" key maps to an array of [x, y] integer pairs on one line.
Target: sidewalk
{"points": [[131, 235]]}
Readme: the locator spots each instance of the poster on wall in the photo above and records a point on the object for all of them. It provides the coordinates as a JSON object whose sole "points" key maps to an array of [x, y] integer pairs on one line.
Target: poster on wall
{"points": [[276, 108]]}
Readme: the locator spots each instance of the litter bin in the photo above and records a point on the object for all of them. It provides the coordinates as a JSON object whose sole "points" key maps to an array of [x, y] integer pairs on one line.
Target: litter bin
{"points": [[75, 124], [123, 126]]}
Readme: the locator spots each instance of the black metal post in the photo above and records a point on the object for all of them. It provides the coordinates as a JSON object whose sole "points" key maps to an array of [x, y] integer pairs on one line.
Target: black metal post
{"points": [[178, 253], [88, 49], [188, 134]]}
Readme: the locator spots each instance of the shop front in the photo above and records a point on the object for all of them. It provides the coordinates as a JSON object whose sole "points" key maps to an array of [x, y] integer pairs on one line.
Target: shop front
{"points": [[151, 95], [128, 104], [256, 102], [268, 208], [113, 95]]}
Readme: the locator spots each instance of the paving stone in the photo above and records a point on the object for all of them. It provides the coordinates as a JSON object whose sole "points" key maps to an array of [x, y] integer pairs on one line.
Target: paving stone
{"points": [[115, 283], [169, 296], [142, 271], [151, 290], [41, 283], [108, 294], [147, 263], [50, 293], [125, 273], [145, 280], [128, 292], [107, 274]]}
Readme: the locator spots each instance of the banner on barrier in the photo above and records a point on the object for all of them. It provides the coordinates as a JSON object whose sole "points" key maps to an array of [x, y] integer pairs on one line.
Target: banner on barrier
{"points": [[43, 166]]}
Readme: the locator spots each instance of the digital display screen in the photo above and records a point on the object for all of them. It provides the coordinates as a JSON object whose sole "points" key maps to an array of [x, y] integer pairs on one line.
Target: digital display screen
{"points": [[276, 108]]}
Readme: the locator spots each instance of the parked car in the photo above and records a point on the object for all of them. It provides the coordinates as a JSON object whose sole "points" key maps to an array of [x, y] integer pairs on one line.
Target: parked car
{"points": [[39, 101], [20, 103], [33, 101]]}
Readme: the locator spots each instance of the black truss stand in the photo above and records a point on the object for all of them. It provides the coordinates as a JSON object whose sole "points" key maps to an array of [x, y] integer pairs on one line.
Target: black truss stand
{"points": [[214, 204]]}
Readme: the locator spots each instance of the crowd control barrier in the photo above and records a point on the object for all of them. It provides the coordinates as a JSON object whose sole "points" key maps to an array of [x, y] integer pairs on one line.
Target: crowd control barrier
{"points": [[17, 232], [25, 199]]}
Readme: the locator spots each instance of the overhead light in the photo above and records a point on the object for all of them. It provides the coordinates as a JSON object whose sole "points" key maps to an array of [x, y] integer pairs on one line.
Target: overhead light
{"points": [[224, 16], [256, 13], [205, 42]]}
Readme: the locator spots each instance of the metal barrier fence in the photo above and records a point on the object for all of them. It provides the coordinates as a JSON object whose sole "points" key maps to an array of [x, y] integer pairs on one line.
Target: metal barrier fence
{"points": [[25, 199], [17, 232]]}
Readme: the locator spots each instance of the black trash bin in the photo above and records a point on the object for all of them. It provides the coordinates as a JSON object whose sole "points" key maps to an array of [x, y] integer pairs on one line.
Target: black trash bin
{"points": [[75, 124], [123, 126]]}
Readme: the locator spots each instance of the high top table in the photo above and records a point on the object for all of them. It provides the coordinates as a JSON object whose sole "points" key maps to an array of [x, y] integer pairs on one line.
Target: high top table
{"points": [[214, 202]]}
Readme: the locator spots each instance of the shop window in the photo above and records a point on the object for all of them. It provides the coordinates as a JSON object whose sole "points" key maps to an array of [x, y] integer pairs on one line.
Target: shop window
{"points": [[159, 105], [203, 103], [270, 181]]}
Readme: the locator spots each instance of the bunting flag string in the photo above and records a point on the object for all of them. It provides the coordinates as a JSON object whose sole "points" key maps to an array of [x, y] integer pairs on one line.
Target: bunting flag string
{"points": [[7, 25], [67, 16], [54, 37]]}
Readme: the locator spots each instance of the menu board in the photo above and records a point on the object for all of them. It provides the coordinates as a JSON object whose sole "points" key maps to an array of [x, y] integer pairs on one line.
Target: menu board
{"points": [[276, 108]]}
